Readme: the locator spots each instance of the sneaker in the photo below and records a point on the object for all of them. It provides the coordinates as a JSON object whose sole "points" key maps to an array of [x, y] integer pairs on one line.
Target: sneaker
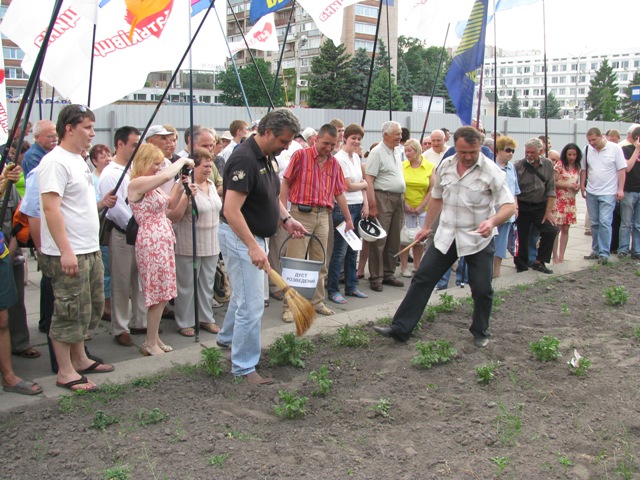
{"points": [[481, 342], [623, 254], [603, 261], [591, 256], [407, 273], [541, 267], [461, 284]]}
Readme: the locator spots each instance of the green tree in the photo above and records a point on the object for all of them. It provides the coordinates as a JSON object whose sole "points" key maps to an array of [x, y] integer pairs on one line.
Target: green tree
{"points": [[553, 108], [359, 66], [503, 109], [331, 78], [602, 98], [256, 96], [531, 112], [514, 106], [379, 96], [630, 108], [382, 59]]}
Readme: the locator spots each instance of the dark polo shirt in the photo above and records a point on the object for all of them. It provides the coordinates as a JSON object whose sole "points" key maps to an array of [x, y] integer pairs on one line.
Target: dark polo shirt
{"points": [[534, 189], [249, 171]]}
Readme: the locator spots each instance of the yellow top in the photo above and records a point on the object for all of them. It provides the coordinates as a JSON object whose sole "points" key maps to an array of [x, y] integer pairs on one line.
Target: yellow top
{"points": [[417, 180]]}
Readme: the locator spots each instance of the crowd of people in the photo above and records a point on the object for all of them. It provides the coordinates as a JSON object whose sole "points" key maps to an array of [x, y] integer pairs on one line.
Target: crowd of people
{"points": [[229, 205]]}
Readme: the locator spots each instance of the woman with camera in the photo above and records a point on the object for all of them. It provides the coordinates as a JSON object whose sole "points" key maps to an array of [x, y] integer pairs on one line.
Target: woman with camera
{"points": [[155, 238], [208, 206]]}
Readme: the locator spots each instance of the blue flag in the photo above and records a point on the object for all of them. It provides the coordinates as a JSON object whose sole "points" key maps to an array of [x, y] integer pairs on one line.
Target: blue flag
{"points": [[259, 8], [461, 78], [500, 5]]}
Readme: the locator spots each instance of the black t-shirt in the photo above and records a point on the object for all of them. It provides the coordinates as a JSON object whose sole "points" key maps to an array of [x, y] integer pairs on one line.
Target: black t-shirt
{"points": [[632, 181], [249, 171]]}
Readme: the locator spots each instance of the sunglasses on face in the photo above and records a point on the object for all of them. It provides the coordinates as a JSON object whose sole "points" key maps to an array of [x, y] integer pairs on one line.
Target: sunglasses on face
{"points": [[510, 150]]}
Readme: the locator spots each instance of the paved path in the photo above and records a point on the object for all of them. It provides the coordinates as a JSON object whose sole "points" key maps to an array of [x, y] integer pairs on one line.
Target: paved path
{"points": [[130, 363]]}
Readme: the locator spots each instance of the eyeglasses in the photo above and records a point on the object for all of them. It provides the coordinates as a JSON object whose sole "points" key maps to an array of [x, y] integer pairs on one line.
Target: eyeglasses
{"points": [[510, 150]]}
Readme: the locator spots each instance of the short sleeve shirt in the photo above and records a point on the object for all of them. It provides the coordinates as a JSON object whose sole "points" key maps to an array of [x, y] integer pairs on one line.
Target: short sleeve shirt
{"points": [[249, 171], [532, 188], [68, 175], [468, 201], [417, 181], [352, 170], [602, 168], [386, 166]]}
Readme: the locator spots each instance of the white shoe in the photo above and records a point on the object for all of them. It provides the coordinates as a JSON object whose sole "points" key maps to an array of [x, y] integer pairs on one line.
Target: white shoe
{"points": [[407, 273]]}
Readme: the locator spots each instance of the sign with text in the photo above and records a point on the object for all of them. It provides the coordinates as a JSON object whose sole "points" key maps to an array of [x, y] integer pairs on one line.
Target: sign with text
{"points": [[300, 278], [635, 92], [421, 104]]}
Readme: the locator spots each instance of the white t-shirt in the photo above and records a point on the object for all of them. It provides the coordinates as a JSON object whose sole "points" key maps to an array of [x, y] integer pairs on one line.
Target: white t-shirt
{"points": [[120, 213], [434, 157], [602, 168], [352, 170], [67, 174], [285, 157], [228, 150]]}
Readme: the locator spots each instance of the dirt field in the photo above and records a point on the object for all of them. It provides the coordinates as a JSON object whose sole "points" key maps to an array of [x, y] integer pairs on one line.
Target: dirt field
{"points": [[383, 418]]}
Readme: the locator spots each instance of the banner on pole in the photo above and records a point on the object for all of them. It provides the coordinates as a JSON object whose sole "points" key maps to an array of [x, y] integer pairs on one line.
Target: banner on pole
{"points": [[262, 36], [4, 117]]}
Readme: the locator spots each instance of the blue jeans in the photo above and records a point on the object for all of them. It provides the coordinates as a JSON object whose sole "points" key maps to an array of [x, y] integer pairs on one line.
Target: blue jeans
{"points": [[462, 275], [600, 209], [630, 223], [343, 253], [242, 322]]}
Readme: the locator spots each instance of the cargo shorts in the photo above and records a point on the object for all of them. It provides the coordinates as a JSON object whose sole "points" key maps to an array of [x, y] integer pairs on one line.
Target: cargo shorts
{"points": [[79, 300]]}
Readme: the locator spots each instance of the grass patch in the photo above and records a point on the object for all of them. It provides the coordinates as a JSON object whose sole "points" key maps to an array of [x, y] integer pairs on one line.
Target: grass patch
{"points": [[218, 460], [353, 337], [102, 420], [211, 361], [150, 417], [290, 350], [485, 373], [291, 406], [149, 380], [433, 353], [509, 424], [118, 472], [546, 349], [322, 380], [616, 296]]}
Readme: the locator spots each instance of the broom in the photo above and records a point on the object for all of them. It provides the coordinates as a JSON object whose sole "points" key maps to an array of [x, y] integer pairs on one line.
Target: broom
{"points": [[303, 312]]}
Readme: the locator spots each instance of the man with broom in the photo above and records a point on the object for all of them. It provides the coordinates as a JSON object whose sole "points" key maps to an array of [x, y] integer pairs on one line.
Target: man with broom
{"points": [[472, 194], [251, 212]]}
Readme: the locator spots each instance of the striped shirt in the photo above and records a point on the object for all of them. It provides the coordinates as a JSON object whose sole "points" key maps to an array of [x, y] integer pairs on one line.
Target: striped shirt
{"points": [[310, 184]]}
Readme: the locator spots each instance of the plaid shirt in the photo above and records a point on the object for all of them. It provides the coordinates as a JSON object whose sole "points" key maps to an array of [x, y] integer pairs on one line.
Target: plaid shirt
{"points": [[468, 201], [310, 184]]}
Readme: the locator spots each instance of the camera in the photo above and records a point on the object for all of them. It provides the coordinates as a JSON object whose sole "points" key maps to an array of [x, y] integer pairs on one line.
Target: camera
{"points": [[186, 171]]}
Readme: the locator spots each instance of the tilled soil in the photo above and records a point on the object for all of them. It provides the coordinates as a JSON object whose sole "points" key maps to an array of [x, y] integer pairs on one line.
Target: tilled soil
{"points": [[535, 420]]}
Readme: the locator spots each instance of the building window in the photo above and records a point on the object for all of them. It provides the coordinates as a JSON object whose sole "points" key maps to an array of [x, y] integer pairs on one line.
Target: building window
{"points": [[594, 65], [561, 91], [554, 68], [366, 44], [12, 53], [563, 68], [624, 64], [525, 92], [563, 79], [15, 73], [525, 103], [623, 77], [365, 28], [526, 69], [140, 96], [366, 11], [581, 91]]}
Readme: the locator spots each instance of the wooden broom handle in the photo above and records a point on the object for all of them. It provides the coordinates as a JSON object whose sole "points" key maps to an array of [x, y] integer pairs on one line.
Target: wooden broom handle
{"points": [[277, 279], [406, 249]]}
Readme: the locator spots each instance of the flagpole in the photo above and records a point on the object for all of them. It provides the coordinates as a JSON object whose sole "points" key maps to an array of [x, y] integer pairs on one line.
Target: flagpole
{"points": [[40, 97], [480, 91], [284, 44], [30, 84], [495, 74], [53, 94], [435, 82], [158, 105], [373, 58], [389, 60], [93, 43], [255, 64], [544, 61], [196, 337], [235, 68]]}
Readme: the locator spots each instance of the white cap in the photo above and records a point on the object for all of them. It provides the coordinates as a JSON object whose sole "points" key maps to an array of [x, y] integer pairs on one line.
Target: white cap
{"points": [[157, 130]]}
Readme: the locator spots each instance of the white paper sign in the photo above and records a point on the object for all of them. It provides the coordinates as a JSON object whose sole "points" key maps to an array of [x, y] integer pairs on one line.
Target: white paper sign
{"points": [[300, 278], [352, 239]]}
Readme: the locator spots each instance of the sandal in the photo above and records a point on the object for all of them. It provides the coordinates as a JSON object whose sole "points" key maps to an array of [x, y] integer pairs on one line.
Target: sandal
{"points": [[23, 387], [187, 332], [356, 293], [93, 368], [81, 381], [28, 353], [337, 298], [210, 327]]}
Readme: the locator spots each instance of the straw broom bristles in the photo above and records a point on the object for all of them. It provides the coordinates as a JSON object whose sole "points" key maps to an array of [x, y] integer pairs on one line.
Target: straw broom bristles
{"points": [[301, 309]]}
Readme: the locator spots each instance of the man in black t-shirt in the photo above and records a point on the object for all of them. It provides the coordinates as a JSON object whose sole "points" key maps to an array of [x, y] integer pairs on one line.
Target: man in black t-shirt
{"points": [[251, 212], [630, 204]]}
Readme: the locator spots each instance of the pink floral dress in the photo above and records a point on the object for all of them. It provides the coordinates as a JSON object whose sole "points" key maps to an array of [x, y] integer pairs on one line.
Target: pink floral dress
{"points": [[154, 248], [565, 209]]}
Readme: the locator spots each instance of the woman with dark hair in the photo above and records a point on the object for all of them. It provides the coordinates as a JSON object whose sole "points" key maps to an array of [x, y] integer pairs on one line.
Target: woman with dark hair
{"points": [[567, 177]]}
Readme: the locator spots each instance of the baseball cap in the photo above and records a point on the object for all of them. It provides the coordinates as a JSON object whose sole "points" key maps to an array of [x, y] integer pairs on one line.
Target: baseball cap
{"points": [[157, 130]]}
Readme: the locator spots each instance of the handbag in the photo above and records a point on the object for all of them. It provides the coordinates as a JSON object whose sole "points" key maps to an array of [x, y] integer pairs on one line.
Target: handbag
{"points": [[221, 288], [408, 234], [105, 232], [132, 231]]}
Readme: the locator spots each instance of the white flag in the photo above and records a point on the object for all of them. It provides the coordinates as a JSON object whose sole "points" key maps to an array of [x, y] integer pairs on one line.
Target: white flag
{"points": [[4, 117], [133, 38], [262, 36], [328, 15]]}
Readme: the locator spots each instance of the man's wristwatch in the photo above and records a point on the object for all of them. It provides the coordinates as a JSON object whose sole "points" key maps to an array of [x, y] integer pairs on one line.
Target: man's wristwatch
{"points": [[286, 219]]}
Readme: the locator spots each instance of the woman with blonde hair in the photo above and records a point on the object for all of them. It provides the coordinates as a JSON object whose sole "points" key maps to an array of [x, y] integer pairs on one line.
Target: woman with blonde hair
{"points": [[505, 148], [154, 242], [417, 176]]}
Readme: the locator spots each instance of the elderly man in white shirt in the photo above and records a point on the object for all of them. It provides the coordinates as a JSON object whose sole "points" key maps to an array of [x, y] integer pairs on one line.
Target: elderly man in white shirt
{"points": [[467, 188]]}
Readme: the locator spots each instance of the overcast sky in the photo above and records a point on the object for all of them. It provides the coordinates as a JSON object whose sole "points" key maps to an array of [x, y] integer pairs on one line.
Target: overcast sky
{"points": [[574, 27]]}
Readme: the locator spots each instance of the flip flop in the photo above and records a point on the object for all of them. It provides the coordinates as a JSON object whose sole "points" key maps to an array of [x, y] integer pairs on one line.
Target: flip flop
{"points": [[28, 353], [23, 387], [92, 369], [210, 327], [81, 381], [338, 298], [187, 332], [356, 293]]}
